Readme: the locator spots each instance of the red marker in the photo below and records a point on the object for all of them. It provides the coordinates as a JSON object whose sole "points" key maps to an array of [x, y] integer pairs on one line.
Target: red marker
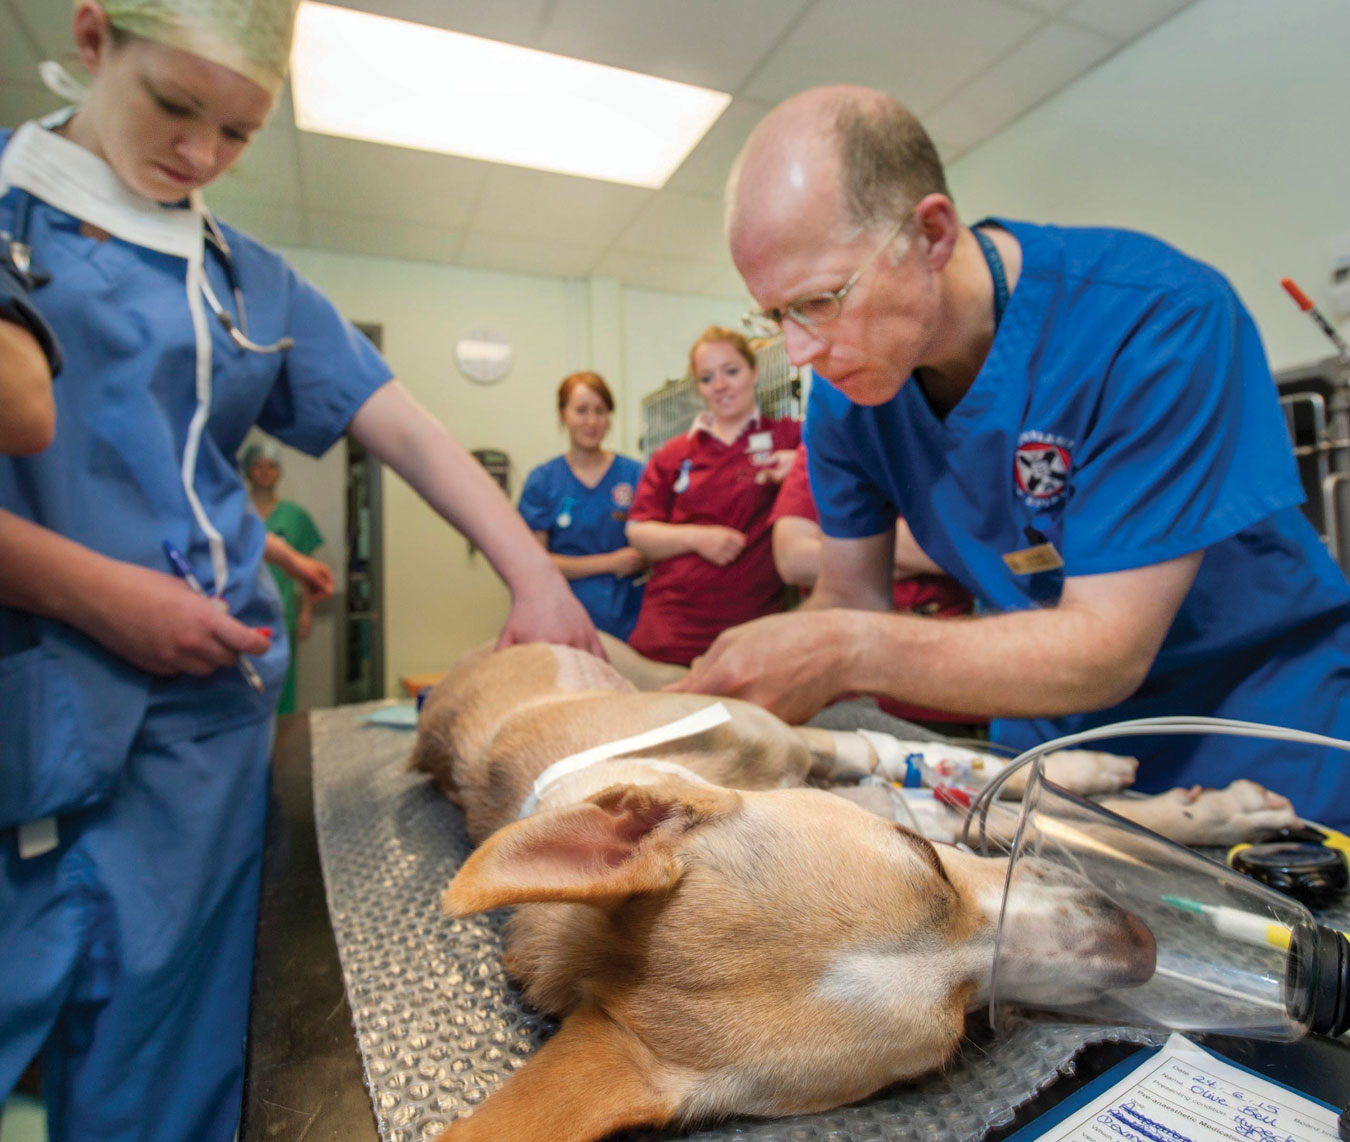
{"points": [[1304, 302]]}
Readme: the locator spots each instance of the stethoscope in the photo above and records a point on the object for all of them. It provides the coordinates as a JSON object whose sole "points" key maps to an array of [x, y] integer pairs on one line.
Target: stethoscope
{"points": [[21, 253], [238, 333]]}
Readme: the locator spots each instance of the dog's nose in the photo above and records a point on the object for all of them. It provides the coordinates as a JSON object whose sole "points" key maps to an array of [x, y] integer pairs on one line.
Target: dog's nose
{"points": [[1141, 959], [1118, 949]]}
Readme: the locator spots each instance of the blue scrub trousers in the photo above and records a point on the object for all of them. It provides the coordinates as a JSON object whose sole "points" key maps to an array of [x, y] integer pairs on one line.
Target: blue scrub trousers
{"points": [[126, 953]]}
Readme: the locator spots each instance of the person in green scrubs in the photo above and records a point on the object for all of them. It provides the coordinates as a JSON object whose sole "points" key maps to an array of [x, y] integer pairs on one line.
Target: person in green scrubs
{"points": [[298, 582]]}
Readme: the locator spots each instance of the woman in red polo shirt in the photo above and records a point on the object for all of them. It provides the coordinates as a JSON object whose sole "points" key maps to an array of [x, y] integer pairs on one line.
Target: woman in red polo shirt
{"points": [[701, 513]]}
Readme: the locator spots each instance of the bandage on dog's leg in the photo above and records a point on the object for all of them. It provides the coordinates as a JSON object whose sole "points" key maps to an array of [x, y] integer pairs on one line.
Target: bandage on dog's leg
{"points": [[843, 755], [930, 763], [840, 755], [892, 755]]}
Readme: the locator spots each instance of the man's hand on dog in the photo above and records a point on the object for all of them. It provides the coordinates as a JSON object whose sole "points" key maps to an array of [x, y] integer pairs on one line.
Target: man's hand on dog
{"points": [[789, 664]]}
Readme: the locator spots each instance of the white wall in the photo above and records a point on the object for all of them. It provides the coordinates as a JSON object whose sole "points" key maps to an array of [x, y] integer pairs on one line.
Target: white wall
{"points": [[658, 329], [439, 599], [1223, 131]]}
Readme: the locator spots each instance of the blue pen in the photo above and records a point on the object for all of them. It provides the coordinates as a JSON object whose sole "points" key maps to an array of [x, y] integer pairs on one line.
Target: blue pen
{"points": [[183, 569]]}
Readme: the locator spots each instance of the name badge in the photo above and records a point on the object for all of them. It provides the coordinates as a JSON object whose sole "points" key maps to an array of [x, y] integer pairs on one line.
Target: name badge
{"points": [[760, 442], [1030, 560]]}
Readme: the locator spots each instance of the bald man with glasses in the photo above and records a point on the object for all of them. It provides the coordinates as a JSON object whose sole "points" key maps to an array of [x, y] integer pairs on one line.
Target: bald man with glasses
{"points": [[1079, 425]]}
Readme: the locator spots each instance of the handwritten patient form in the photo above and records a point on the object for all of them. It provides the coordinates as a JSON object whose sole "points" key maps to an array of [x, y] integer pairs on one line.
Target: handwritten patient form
{"points": [[1184, 1094]]}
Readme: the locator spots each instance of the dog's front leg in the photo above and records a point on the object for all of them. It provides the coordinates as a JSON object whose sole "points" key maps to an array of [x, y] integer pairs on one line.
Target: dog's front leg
{"points": [[837, 755], [587, 1081]]}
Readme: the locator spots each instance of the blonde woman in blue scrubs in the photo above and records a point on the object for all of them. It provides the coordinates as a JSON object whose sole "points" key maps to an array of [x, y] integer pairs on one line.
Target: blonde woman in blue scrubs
{"points": [[133, 751]]}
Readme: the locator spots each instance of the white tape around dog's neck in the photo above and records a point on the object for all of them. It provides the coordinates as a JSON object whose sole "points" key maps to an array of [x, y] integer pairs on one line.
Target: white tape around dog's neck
{"points": [[695, 723]]}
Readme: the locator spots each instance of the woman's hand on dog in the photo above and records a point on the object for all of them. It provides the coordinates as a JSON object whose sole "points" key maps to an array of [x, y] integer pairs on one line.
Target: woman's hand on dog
{"points": [[547, 614]]}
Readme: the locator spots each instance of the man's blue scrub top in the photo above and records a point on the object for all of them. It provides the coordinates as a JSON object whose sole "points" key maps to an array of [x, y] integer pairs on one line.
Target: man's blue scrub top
{"points": [[111, 482], [588, 521], [1127, 415]]}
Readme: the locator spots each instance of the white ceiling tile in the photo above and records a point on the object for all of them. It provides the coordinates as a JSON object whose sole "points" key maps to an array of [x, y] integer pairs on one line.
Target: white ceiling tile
{"points": [[21, 102], [645, 271], [948, 151], [517, 254], [705, 170], [381, 237], [586, 211], [1047, 7], [18, 60], [517, 22], [269, 170], [710, 43], [344, 176], [917, 50], [1122, 21], [728, 283], [273, 224], [679, 226], [48, 22], [1053, 57]]}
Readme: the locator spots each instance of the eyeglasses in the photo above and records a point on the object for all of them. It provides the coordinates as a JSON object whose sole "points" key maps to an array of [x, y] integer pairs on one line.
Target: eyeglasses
{"points": [[815, 309]]}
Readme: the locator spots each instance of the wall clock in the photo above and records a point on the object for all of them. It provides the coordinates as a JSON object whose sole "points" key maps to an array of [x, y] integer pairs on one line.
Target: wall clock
{"points": [[483, 355]]}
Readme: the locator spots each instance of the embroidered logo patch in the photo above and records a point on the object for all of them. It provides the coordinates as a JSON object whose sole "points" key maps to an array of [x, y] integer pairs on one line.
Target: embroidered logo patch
{"points": [[622, 495], [1041, 467]]}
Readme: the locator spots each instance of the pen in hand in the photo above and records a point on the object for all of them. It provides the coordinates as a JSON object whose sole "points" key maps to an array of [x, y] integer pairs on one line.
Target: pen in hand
{"points": [[183, 569]]}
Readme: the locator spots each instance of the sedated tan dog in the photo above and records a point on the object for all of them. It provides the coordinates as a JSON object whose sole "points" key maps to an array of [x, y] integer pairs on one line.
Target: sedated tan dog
{"points": [[719, 938]]}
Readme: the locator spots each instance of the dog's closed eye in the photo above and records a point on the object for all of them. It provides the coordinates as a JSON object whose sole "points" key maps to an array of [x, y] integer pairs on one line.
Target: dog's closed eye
{"points": [[925, 847]]}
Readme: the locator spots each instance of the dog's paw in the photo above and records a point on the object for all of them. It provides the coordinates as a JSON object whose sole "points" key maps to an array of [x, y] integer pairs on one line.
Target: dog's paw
{"points": [[1240, 812], [1088, 772]]}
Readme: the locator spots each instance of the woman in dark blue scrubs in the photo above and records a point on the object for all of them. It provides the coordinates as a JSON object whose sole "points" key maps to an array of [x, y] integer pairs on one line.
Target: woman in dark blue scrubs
{"points": [[577, 505]]}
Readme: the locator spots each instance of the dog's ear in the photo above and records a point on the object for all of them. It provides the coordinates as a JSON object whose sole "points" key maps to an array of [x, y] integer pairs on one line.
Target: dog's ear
{"points": [[613, 845], [587, 1081]]}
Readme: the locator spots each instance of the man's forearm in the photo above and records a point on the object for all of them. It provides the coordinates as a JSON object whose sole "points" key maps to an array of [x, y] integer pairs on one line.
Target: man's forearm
{"points": [[796, 551], [1023, 664], [910, 558]]}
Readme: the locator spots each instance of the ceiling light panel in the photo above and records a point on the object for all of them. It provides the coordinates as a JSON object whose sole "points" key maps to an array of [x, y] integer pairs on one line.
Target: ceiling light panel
{"points": [[389, 81]]}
